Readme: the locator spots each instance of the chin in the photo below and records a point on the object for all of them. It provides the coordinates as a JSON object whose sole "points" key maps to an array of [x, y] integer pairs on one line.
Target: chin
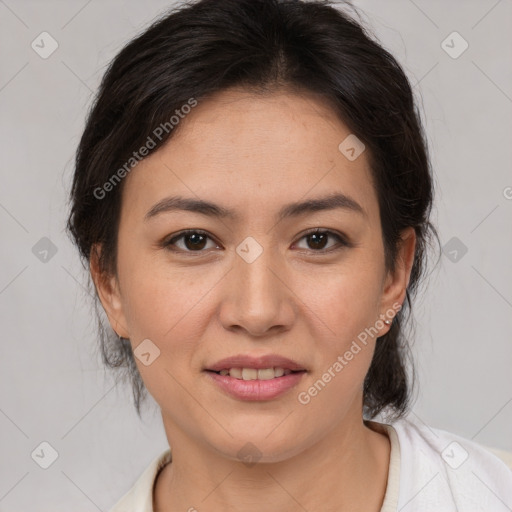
{"points": [[260, 446]]}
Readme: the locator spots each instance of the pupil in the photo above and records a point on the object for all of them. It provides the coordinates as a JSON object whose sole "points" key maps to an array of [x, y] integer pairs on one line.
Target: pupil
{"points": [[197, 239], [323, 237]]}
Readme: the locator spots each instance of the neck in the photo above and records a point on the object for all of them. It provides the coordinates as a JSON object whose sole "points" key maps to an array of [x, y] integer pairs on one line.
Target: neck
{"points": [[344, 471]]}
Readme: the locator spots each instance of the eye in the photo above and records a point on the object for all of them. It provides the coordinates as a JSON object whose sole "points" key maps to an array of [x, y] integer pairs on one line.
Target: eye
{"points": [[194, 240], [317, 240]]}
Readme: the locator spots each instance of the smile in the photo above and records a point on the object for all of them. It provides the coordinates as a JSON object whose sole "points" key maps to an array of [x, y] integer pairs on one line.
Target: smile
{"points": [[254, 373], [250, 384]]}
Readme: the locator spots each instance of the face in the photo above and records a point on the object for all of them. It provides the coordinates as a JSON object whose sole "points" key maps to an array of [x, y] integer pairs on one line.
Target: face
{"points": [[255, 280]]}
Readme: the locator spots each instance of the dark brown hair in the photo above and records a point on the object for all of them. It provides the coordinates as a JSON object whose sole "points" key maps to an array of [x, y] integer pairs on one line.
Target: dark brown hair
{"points": [[207, 46]]}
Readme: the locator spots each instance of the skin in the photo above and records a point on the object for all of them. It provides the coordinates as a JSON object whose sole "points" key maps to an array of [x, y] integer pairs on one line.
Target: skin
{"points": [[255, 154]]}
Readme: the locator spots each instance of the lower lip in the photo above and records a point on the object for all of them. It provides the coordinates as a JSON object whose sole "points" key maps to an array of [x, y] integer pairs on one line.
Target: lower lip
{"points": [[256, 390]]}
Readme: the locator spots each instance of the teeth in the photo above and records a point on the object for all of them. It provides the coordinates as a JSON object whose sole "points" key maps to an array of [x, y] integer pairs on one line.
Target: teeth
{"points": [[249, 374], [254, 374], [266, 374], [235, 372]]}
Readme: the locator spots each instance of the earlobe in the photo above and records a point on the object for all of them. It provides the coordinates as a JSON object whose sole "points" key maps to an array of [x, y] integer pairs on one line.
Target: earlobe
{"points": [[108, 292]]}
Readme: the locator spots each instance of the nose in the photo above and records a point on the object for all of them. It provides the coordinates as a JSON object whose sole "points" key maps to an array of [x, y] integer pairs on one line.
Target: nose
{"points": [[257, 298]]}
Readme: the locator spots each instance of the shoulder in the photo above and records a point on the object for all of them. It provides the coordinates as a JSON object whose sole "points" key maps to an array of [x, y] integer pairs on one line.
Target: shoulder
{"points": [[140, 497], [444, 470]]}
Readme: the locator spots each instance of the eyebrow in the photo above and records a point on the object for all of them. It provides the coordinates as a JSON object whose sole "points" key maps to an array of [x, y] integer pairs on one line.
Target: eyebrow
{"points": [[176, 203]]}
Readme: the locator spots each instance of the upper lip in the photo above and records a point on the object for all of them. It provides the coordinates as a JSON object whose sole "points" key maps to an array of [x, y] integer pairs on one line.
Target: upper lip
{"points": [[257, 362]]}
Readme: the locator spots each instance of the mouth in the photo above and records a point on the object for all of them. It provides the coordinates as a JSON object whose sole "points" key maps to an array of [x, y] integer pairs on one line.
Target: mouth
{"points": [[250, 367], [255, 384], [256, 378], [256, 373]]}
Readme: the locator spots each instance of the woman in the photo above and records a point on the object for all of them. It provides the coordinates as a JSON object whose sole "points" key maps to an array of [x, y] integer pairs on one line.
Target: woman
{"points": [[252, 196]]}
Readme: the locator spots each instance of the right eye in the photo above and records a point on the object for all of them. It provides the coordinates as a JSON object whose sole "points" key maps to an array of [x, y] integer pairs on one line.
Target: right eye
{"points": [[193, 240]]}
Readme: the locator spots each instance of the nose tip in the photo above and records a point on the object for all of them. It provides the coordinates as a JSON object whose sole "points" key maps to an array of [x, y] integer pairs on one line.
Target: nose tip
{"points": [[256, 300]]}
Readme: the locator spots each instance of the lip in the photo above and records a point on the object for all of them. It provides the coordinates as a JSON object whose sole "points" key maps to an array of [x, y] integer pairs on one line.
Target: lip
{"points": [[257, 362], [255, 390]]}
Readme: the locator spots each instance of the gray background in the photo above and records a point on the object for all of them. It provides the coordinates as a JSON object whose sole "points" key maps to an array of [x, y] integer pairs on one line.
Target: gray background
{"points": [[52, 384]]}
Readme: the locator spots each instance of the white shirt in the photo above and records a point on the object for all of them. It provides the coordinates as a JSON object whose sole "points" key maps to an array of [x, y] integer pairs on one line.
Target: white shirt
{"points": [[430, 470]]}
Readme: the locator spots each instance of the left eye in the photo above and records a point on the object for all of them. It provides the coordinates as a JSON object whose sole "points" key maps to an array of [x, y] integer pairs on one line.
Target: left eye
{"points": [[317, 240], [196, 241]]}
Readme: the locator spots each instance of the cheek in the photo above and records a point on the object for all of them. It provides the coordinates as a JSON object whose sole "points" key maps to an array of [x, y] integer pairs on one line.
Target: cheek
{"points": [[345, 354], [173, 310], [350, 309], [158, 297], [350, 301], [167, 308]]}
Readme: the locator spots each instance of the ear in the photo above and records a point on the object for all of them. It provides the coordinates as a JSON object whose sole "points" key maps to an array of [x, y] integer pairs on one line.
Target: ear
{"points": [[395, 283], [107, 288]]}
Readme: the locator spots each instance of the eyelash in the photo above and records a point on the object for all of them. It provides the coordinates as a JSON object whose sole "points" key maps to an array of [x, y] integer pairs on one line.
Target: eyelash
{"points": [[342, 241]]}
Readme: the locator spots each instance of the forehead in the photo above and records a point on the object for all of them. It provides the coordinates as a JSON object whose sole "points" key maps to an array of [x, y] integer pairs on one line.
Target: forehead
{"points": [[251, 151]]}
